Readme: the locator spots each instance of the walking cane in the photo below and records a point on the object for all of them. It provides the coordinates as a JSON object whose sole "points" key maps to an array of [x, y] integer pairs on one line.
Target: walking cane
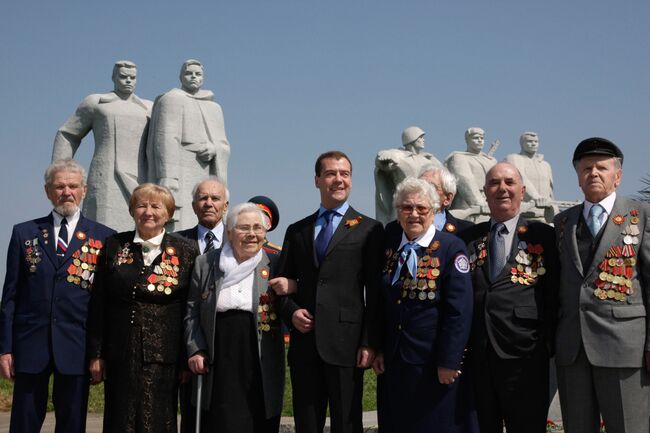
{"points": [[199, 392]]}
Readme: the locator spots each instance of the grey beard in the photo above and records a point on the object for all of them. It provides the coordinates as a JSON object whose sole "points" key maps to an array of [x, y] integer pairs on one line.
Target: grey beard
{"points": [[66, 211]]}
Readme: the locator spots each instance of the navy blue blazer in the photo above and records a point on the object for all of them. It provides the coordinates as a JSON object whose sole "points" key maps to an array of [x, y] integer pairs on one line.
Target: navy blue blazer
{"points": [[430, 331], [44, 303]]}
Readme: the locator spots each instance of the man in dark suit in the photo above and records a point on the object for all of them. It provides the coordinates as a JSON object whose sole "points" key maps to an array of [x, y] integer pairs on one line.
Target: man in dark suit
{"points": [[50, 270], [514, 273], [445, 184], [603, 334], [334, 255], [210, 199]]}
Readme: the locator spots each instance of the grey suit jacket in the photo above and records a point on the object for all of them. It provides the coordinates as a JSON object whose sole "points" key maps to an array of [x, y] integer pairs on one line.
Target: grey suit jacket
{"points": [[614, 333], [200, 322]]}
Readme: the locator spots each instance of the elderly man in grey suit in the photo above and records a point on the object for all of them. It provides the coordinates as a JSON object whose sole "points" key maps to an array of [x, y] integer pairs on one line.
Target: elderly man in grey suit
{"points": [[603, 343]]}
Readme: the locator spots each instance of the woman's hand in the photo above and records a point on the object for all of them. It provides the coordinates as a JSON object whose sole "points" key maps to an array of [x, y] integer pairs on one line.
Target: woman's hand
{"points": [[97, 371], [283, 286], [447, 376], [197, 363]]}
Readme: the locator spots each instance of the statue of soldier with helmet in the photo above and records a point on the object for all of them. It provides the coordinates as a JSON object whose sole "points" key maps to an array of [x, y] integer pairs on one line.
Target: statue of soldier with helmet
{"points": [[394, 165]]}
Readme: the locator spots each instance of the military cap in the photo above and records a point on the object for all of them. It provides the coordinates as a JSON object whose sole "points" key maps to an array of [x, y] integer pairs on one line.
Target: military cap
{"points": [[269, 208], [596, 146]]}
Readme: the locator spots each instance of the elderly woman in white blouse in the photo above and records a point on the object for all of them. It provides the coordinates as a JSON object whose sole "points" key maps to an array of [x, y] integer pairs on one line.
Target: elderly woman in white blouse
{"points": [[232, 330]]}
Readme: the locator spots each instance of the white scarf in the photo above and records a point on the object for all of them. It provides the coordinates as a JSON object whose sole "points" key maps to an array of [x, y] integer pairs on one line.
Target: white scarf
{"points": [[235, 272]]}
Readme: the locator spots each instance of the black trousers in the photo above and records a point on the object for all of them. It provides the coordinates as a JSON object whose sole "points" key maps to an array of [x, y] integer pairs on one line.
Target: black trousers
{"points": [[318, 383], [513, 392], [69, 395]]}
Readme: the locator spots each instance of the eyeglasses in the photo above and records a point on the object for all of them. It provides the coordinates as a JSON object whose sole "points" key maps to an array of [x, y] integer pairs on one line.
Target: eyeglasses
{"points": [[257, 229], [420, 209]]}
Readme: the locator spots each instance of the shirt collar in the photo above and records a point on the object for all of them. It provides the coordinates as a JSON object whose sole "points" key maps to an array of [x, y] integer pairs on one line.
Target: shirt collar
{"points": [[340, 210], [424, 240], [155, 241], [217, 230], [510, 224], [607, 203], [71, 220]]}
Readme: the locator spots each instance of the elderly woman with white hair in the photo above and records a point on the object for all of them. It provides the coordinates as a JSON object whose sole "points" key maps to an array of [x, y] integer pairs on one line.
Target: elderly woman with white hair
{"points": [[233, 333], [428, 314]]}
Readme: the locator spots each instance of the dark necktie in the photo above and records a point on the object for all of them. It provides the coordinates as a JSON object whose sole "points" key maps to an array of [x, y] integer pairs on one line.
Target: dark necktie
{"points": [[497, 250], [62, 241], [325, 235], [209, 244]]}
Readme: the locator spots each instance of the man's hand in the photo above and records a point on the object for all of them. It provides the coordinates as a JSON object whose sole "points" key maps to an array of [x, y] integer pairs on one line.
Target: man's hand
{"points": [[7, 366], [207, 154], [283, 286], [302, 320], [365, 357], [97, 370], [447, 376], [197, 363], [378, 364]]}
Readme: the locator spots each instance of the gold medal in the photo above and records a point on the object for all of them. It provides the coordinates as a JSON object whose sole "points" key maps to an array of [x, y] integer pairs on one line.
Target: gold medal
{"points": [[514, 279], [431, 284], [70, 278], [84, 249], [611, 294], [77, 262], [160, 288], [435, 272], [520, 268], [151, 287], [176, 268], [597, 293], [521, 280], [168, 291], [84, 266], [273, 316], [265, 308], [603, 276]]}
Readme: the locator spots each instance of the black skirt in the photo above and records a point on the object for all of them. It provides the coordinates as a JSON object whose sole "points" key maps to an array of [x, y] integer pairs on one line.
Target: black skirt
{"points": [[237, 403]]}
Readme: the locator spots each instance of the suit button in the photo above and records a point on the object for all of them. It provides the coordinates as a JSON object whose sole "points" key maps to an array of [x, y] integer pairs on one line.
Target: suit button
{"points": [[583, 308], [399, 301], [399, 327]]}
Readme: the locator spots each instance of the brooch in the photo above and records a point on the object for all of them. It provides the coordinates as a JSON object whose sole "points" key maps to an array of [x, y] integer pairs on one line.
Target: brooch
{"points": [[353, 221]]}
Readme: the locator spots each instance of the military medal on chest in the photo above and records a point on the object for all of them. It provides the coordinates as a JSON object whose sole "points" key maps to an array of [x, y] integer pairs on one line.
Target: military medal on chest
{"points": [[164, 275], [614, 281], [478, 258], [82, 269], [266, 315], [530, 263], [33, 254], [423, 285], [124, 256]]}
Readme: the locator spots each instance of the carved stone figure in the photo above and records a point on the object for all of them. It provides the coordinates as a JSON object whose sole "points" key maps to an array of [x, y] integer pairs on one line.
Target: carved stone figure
{"points": [[393, 166], [538, 177], [470, 168], [119, 123], [187, 141]]}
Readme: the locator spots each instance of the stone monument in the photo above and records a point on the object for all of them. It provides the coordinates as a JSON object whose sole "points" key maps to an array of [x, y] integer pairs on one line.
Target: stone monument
{"points": [[538, 203], [470, 168], [119, 123], [187, 141], [394, 165]]}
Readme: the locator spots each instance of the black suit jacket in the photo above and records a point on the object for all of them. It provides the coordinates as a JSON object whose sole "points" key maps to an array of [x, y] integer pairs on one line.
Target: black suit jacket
{"points": [[334, 291], [517, 318], [191, 234]]}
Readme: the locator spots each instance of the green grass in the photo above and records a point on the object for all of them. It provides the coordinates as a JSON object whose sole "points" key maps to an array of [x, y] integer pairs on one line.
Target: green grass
{"points": [[96, 397]]}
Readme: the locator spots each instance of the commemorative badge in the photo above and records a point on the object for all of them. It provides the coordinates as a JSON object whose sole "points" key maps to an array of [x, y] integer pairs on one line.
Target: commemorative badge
{"points": [[450, 228], [84, 261], [353, 221], [164, 276], [33, 254]]}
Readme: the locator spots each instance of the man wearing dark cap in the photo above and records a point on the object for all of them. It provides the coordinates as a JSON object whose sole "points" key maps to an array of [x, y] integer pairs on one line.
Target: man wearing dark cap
{"points": [[603, 340], [272, 217]]}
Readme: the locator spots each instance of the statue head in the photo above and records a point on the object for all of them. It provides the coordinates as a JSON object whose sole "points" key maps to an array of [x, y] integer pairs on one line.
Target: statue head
{"points": [[413, 139], [125, 75], [191, 76], [529, 142], [475, 139]]}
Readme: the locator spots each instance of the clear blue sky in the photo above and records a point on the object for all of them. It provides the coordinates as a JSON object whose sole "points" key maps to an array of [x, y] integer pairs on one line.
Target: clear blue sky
{"points": [[296, 78]]}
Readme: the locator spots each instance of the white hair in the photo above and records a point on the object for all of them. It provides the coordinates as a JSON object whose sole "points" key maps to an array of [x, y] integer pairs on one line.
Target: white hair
{"points": [[411, 185]]}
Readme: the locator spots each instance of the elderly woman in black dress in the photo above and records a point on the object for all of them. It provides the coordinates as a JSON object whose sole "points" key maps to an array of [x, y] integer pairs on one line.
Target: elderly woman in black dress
{"points": [[233, 332], [135, 318], [428, 313]]}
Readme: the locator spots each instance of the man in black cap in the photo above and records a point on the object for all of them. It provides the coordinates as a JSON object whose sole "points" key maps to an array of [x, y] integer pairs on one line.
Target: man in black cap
{"points": [[603, 339], [272, 217]]}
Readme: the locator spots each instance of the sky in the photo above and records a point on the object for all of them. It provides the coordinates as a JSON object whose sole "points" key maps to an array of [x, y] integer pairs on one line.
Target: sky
{"points": [[297, 78]]}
